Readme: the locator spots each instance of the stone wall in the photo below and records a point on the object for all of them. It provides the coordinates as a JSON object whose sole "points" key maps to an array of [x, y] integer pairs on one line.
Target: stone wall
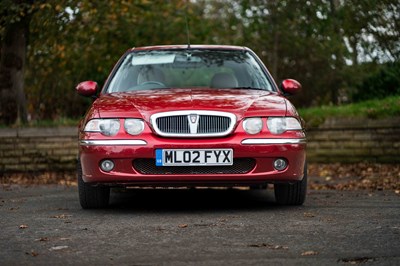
{"points": [[355, 140], [38, 149], [337, 140]]}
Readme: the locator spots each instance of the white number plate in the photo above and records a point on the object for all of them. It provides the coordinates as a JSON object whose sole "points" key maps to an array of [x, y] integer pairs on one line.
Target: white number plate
{"points": [[199, 157]]}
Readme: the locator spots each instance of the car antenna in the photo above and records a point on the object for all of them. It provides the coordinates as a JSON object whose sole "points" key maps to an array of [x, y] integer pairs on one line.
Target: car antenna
{"points": [[187, 25]]}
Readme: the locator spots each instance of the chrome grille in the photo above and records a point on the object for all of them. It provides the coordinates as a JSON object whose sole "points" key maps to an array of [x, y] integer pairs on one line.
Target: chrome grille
{"points": [[174, 124], [212, 124], [193, 123]]}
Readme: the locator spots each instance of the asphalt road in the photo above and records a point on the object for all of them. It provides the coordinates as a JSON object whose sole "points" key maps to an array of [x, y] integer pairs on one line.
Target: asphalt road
{"points": [[46, 226]]}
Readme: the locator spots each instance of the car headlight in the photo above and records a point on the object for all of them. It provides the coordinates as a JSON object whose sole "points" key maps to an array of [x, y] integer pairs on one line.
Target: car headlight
{"points": [[107, 127], [278, 125], [252, 125], [134, 126]]}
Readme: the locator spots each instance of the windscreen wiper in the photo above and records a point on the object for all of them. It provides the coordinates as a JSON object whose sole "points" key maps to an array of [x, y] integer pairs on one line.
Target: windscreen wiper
{"points": [[247, 88]]}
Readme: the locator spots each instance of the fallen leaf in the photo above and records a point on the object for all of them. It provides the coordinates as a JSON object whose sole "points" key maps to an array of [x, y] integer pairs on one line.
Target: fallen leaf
{"points": [[330, 176], [278, 247], [23, 226], [32, 253], [357, 176], [354, 261], [61, 216], [308, 214], [309, 253], [56, 248], [183, 225], [42, 239], [269, 246]]}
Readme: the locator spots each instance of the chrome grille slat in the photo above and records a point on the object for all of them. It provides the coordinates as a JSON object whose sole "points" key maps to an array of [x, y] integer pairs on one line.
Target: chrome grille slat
{"points": [[193, 123]]}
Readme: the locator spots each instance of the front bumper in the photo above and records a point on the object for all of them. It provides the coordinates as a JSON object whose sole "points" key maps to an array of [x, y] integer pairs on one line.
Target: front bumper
{"points": [[124, 153]]}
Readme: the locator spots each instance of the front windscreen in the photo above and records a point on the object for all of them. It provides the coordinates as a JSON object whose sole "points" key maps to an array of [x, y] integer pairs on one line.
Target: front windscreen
{"points": [[165, 69]]}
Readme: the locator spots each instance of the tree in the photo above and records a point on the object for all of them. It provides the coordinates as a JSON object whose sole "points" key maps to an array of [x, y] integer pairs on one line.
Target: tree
{"points": [[320, 43], [324, 44], [15, 18], [74, 41]]}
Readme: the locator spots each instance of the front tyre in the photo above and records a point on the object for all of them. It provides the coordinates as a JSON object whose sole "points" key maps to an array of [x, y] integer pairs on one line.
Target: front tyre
{"points": [[292, 194], [91, 197]]}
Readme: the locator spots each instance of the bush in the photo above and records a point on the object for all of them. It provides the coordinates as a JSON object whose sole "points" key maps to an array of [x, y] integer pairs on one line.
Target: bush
{"points": [[383, 83]]}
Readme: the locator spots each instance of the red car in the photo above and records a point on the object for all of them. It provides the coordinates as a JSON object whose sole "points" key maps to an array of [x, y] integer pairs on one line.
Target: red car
{"points": [[188, 116]]}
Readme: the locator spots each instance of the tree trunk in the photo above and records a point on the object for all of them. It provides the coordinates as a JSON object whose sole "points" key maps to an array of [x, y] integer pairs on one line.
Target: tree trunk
{"points": [[12, 63]]}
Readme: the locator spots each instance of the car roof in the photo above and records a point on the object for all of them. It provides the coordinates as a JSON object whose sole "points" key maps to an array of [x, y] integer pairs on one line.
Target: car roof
{"points": [[185, 47]]}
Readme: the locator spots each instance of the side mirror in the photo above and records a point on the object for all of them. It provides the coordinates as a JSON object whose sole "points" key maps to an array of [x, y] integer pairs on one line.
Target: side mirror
{"points": [[87, 88], [290, 86]]}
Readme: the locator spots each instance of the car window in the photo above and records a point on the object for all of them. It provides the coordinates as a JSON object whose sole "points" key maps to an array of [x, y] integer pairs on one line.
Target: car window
{"points": [[188, 69]]}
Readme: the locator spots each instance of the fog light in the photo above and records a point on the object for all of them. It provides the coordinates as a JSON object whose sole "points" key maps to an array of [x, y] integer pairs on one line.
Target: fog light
{"points": [[107, 165], [280, 164]]}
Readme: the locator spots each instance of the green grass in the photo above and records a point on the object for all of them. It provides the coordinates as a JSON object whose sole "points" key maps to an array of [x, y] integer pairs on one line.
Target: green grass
{"points": [[373, 109]]}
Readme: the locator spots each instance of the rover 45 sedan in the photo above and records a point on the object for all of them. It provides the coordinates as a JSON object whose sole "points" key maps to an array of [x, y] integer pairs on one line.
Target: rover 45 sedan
{"points": [[190, 116]]}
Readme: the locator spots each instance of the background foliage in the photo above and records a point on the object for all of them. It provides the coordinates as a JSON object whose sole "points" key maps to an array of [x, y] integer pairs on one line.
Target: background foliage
{"points": [[341, 51]]}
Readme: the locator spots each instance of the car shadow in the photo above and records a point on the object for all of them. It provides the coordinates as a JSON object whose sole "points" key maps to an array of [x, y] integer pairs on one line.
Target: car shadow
{"points": [[184, 200]]}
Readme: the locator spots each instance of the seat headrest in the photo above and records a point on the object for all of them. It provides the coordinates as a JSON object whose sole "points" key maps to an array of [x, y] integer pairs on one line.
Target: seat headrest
{"points": [[223, 80], [150, 74]]}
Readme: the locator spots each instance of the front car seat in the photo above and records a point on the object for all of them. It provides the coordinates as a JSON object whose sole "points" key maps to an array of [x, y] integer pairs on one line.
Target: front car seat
{"points": [[223, 80]]}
